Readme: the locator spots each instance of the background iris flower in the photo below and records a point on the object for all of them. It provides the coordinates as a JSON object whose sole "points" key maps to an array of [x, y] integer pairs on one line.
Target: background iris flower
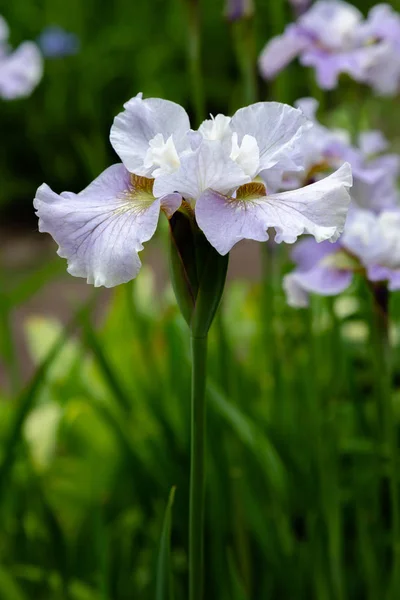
{"points": [[20, 69]]}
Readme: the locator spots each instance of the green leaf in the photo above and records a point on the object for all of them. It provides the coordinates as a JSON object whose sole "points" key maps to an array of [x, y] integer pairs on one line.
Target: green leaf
{"points": [[28, 396], [9, 589], [110, 377], [164, 580], [254, 439], [238, 592]]}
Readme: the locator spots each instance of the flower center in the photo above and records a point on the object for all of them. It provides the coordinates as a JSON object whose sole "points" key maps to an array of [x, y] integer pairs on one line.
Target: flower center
{"points": [[162, 155], [251, 191]]}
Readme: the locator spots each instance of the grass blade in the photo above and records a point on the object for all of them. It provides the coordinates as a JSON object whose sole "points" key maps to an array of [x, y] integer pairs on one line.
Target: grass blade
{"points": [[164, 582], [28, 395]]}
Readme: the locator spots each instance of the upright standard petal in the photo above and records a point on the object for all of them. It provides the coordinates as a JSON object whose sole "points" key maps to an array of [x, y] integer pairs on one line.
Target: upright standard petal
{"points": [[318, 209], [20, 71], [333, 23], [208, 166], [101, 230], [277, 128], [140, 122]]}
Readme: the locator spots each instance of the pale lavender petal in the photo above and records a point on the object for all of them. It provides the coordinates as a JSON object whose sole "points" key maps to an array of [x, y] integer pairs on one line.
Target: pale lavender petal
{"points": [[333, 23], [372, 142], [383, 23], [281, 50], [361, 232], [392, 276], [383, 73], [209, 166], [375, 182], [307, 252], [374, 238], [278, 129], [378, 273], [226, 221], [375, 189], [394, 281], [321, 280], [318, 209], [308, 106], [140, 122], [20, 71], [101, 230], [329, 66], [170, 203]]}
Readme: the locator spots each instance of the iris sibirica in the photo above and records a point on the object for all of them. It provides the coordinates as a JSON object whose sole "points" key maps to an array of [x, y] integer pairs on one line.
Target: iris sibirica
{"points": [[21, 69], [217, 185], [370, 245], [375, 171], [333, 37], [224, 175]]}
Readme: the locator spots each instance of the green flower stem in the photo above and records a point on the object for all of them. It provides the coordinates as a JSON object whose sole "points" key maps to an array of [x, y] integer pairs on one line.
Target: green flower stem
{"points": [[197, 468], [194, 58], [388, 422], [280, 89], [244, 40]]}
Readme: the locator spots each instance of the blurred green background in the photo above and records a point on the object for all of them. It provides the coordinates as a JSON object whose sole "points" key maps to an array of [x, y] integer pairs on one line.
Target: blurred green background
{"points": [[298, 496], [60, 134]]}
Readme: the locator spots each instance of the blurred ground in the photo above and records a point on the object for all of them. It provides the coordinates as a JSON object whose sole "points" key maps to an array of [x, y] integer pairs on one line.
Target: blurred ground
{"points": [[22, 249]]}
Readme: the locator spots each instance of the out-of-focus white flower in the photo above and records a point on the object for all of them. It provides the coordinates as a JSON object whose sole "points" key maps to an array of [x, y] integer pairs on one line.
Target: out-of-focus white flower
{"points": [[21, 69]]}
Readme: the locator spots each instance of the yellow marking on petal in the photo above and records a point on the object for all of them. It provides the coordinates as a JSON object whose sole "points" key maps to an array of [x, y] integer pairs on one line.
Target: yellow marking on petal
{"points": [[316, 169], [142, 189], [251, 191], [342, 260], [138, 196]]}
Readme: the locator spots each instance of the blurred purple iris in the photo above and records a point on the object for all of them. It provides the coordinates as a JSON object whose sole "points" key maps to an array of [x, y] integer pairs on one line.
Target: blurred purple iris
{"points": [[55, 42], [370, 245], [238, 9], [333, 38]]}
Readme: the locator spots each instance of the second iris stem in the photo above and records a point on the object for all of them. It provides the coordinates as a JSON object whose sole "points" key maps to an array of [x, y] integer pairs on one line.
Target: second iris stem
{"points": [[388, 423], [197, 468]]}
